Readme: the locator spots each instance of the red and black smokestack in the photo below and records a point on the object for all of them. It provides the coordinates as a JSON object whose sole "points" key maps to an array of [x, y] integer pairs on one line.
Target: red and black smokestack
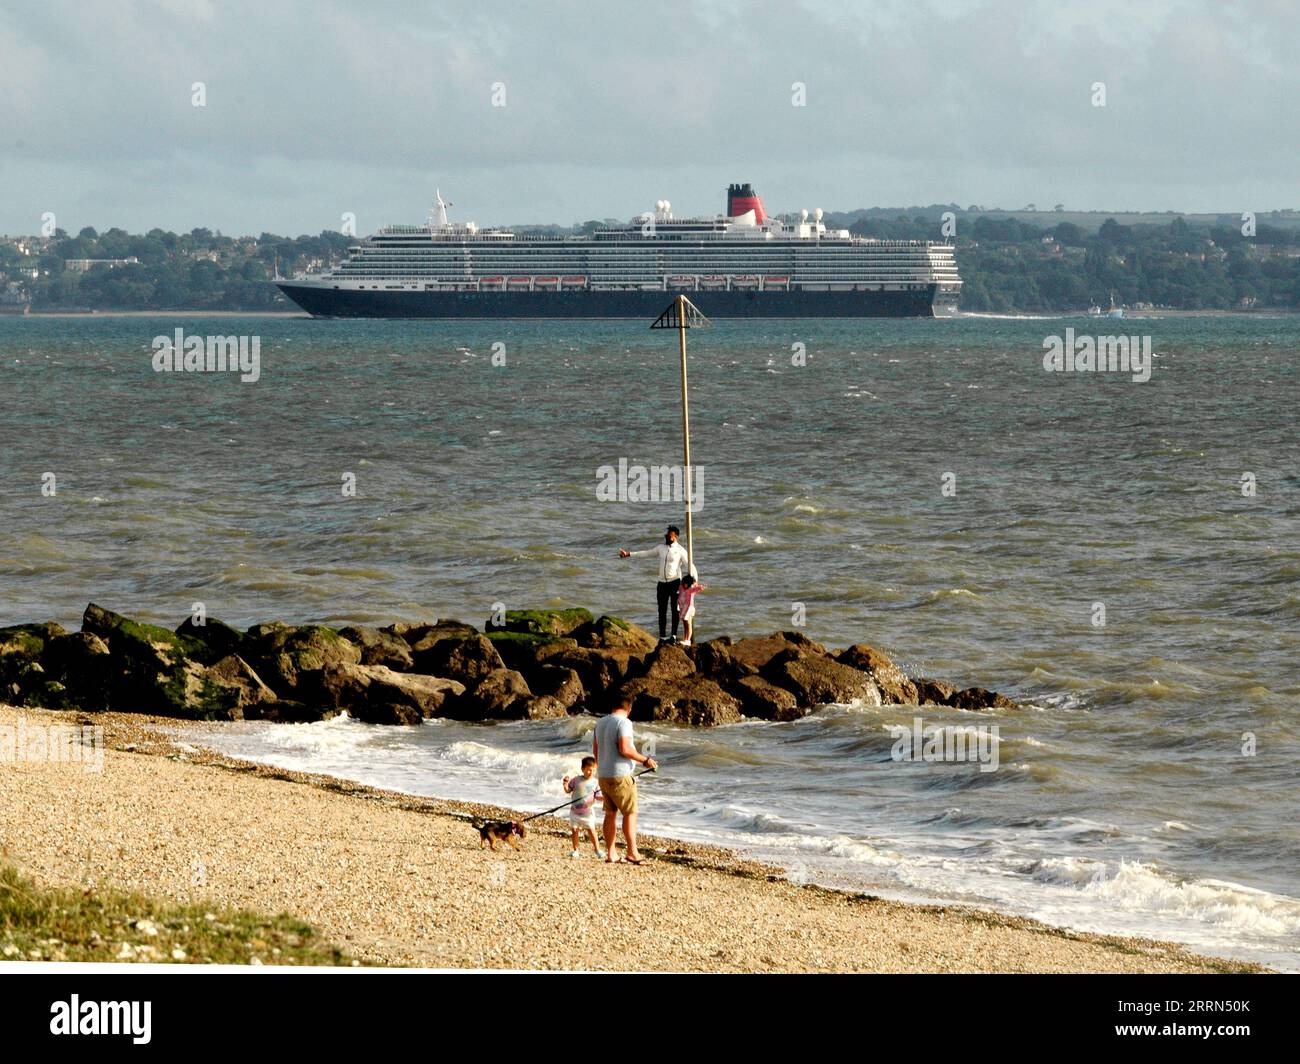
{"points": [[742, 198]]}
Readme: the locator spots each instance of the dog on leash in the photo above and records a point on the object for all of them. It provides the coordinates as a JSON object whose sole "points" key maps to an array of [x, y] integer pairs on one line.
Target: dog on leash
{"points": [[490, 832]]}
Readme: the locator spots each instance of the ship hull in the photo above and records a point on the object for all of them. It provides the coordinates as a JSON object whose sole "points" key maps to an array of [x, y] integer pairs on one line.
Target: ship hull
{"points": [[329, 302]]}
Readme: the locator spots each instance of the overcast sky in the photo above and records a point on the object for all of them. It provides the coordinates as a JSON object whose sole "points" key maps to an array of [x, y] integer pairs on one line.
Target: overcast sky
{"points": [[317, 107]]}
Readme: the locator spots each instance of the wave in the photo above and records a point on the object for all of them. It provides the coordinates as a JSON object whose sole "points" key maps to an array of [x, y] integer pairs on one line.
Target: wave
{"points": [[1134, 886], [540, 769]]}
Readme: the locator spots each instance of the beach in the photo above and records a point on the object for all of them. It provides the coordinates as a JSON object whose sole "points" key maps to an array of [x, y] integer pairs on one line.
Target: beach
{"points": [[399, 880]]}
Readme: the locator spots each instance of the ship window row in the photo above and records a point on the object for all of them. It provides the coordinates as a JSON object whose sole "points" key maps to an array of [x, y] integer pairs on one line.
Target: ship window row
{"points": [[819, 268], [640, 242], [667, 260], [655, 280], [647, 267]]}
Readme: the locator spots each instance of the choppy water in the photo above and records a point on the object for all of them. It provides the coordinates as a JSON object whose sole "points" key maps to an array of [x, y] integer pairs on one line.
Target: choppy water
{"points": [[1123, 801]]}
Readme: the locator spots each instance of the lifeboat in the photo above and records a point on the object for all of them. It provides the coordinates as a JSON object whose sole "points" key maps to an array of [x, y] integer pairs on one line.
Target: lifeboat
{"points": [[573, 282], [713, 282], [520, 281], [550, 282], [745, 281], [682, 282]]}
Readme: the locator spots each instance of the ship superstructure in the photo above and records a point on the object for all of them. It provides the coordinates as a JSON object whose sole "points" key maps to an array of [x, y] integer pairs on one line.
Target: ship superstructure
{"points": [[744, 263]]}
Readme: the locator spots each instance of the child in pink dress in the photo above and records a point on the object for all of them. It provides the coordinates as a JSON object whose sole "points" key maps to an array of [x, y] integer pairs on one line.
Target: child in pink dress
{"points": [[686, 605]]}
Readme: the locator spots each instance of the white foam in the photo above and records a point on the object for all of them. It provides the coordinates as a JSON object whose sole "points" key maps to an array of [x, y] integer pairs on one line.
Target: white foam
{"points": [[1136, 887], [543, 770]]}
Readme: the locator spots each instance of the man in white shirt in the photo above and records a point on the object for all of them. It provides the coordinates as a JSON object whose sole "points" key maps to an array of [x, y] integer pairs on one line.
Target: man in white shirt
{"points": [[672, 567]]}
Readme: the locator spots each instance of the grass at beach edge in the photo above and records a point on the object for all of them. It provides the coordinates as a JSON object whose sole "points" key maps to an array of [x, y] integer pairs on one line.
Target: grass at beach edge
{"points": [[92, 924]]}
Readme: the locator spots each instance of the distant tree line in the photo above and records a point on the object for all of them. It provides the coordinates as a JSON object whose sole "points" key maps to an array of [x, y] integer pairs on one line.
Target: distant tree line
{"points": [[199, 270], [1010, 265]]}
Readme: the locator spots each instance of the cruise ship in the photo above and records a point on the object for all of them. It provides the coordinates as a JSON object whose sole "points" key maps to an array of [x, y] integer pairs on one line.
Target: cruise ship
{"points": [[742, 264]]}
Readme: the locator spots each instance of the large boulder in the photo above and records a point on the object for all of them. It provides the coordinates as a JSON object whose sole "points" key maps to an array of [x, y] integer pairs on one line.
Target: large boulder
{"points": [[690, 699], [23, 679], [27, 640], [527, 653], [401, 629], [293, 660], [380, 695], [816, 680], [601, 671], [542, 622], [216, 639], [934, 692], [422, 637], [715, 660], [379, 647], [756, 651], [428, 632], [981, 698], [502, 694], [759, 698], [559, 683], [154, 670], [894, 685], [466, 659], [82, 663], [606, 633], [543, 707], [238, 689], [667, 662]]}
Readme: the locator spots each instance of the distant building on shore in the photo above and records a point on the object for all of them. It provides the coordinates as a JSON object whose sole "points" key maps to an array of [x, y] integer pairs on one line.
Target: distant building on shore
{"points": [[82, 265]]}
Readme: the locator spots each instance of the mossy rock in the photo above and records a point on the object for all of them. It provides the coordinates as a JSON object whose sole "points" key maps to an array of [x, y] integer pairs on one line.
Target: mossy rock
{"points": [[21, 648], [219, 638], [153, 670], [609, 632], [543, 622], [29, 638], [116, 629], [525, 652], [292, 660]]}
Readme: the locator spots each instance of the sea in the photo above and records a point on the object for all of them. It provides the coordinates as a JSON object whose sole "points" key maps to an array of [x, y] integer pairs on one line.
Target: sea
{"points": [[1121, 556]]}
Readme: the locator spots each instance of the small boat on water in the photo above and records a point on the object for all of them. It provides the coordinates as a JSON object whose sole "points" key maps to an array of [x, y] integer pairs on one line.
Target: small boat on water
{"points": [[1113, 311]]}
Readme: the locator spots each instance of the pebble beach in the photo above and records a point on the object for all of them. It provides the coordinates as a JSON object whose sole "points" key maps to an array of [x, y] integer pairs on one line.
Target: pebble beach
{"points": [[397, 880]]}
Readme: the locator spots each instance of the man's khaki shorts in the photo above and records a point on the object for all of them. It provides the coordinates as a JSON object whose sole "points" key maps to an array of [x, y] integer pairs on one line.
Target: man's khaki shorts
{"points": [[620, 793]]}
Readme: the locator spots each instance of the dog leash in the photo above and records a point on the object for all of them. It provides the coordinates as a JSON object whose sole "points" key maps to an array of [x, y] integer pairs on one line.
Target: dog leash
{"points": [[575, 801]]}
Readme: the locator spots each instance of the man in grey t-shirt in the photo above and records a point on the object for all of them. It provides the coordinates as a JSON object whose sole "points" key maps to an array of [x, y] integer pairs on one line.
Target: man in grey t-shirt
{"points": [[615, 755]]}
